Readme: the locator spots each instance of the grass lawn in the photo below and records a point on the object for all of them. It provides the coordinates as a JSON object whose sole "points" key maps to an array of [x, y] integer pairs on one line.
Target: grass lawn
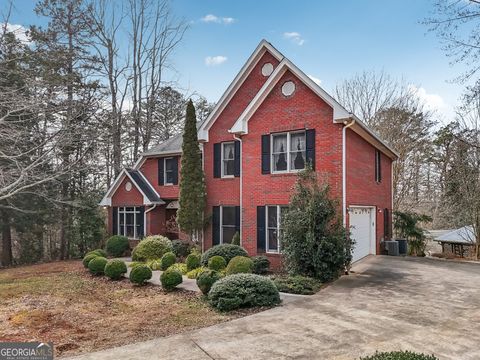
{"points": [[61, 302]]}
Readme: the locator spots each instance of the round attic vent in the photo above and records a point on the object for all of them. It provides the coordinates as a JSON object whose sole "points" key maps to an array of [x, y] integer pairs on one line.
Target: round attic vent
{"points": [[267, 69], [128, 186], [288, 88]]}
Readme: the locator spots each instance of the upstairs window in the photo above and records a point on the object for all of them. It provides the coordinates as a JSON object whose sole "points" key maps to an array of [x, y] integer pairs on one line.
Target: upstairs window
{"points": [[378, 166], [288, 152], [228, 159], [169, 171]]}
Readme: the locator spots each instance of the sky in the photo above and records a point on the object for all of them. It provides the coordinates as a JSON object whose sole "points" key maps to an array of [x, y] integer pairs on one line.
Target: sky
{"points": [[329, 40]]}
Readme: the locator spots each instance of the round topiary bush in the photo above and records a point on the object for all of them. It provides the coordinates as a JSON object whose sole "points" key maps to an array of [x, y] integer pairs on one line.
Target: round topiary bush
{"points": [[399, 355], [97, 265], [261, 264], [206, 279], [115, 269], [151, 248], [192, 261], [181, 248], [170, 278], [117, 245], [227, 251], [240, 264], [167, 260], [88, 258], [98, 252], [140, 274], [243, 290], [217, 263]]}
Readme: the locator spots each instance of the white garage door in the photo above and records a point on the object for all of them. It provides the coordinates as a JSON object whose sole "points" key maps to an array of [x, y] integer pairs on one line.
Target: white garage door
{"points": [[362, 229]]}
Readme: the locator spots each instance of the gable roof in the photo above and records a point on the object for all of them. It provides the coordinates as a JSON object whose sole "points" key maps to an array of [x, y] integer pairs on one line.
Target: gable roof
{"points": [[261, 49], [150, 195], [168, 147]]}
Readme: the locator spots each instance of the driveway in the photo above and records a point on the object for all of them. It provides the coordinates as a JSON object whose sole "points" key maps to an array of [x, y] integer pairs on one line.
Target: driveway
{"points": [[425, 305]]}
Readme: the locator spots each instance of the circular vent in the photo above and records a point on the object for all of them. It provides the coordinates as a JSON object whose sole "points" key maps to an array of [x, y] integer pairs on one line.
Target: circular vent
{"points": [[128, 186], [288, 88], [267, 69]]}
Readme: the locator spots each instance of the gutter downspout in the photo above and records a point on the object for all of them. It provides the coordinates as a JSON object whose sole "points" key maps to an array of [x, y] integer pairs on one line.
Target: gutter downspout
{"points": [[344, 168], [241, 188], [145, 220]]}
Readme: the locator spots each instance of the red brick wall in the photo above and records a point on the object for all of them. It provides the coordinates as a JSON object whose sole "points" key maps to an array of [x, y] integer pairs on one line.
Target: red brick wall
{"points": [[123, 197], [227, 191], [150, 170], [362, 189], [156, 221]]}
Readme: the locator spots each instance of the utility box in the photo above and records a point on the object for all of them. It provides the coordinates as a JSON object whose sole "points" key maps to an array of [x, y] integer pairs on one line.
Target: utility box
{"points": [[392, 248], [402, 246]]}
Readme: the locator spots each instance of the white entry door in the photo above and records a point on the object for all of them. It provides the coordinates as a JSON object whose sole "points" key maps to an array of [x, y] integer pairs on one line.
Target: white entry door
{"points": [[362, 230]]}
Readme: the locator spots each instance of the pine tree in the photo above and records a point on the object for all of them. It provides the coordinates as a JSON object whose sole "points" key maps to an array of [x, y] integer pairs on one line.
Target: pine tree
{"points": [[192, 182]]}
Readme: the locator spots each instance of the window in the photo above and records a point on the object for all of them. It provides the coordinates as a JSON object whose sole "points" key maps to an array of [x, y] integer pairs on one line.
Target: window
{"points": [[378, 167], [228, 159], [274, 216], [129, 222], [227, 224], [169, 169], [288, 151]]}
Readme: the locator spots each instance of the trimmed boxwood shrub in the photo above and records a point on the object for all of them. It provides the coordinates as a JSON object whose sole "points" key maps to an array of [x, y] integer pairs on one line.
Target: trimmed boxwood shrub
{"points": [[151, 248], [181, 248], [297, 284], [140, 274], [117, 245], [243, 290], [261, 264], [206, 279], [192, 261], [227, 251], [193, 274], [167, 260], [170, 278], [88, 258], [180, 267], [217, 263], [240, 264], [399, 355], [97, 265], [98, 252], [115, 269]]}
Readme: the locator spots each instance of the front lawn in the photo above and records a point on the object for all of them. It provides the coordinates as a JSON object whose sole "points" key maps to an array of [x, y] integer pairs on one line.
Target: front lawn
{"points": [[61, 302]]}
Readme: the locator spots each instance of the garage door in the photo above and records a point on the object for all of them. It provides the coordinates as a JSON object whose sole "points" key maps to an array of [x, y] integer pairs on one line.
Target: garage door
{"points": [[362, 228]]}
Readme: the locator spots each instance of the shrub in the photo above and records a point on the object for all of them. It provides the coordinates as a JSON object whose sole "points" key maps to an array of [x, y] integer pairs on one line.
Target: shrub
{"points": [[227, 251], [399, 355], [243, 290], [115, 269], [236, 239], [154, 264], [192, 261], [135, 263], [167, 260], [206, 279], [181, 248], [151, 248], [261, 264], [180, 267], [117, 245], [217, 263], [140, 274], [239, 264], [97, 265], [297, 284], [193, 274], [98, 252], [88, 258], [170, 278]]}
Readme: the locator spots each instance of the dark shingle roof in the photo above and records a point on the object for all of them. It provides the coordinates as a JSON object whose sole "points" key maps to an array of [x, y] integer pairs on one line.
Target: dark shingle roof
{"points": [[172, 145], [146, 188]]}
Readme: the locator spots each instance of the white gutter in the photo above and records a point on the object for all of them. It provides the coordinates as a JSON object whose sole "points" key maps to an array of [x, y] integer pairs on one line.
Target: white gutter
{"points": [[344, 168], [241, 188]]}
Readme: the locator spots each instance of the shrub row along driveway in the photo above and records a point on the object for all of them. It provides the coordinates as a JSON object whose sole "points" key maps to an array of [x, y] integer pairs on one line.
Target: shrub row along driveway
{"points": [[425, 305]]}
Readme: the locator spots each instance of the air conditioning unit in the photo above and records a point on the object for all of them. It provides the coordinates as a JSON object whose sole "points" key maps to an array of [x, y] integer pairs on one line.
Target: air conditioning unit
{"points": [[392, 248]]}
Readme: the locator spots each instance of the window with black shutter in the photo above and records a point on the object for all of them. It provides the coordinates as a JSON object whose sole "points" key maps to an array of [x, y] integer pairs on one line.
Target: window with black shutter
{"points": [[261, 229], [265, 154], [217, 160], [161, 172], [216, 225]]}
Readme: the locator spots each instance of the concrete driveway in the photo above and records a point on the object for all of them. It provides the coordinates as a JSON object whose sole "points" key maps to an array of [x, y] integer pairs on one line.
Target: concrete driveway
{"points": [[425, 305]]}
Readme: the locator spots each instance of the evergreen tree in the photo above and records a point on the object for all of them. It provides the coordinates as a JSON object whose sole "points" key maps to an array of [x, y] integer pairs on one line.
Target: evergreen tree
{"points": [[192, 182]]}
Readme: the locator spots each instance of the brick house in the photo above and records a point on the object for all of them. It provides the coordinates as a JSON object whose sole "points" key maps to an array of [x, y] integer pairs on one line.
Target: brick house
{"points": [[270, 122]]}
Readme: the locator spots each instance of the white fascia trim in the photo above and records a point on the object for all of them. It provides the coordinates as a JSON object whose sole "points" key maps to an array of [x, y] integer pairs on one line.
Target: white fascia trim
{"points": [[262, 47], [241, 125], [141, 160]]}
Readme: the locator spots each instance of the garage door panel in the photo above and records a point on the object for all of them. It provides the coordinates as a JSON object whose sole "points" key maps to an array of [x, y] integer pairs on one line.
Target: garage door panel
{"points": [[362, 231]]}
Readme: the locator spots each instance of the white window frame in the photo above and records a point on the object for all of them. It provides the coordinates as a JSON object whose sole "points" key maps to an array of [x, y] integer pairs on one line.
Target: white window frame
{"points": [[165, 171], [278, 228], [122, 211], [221, 221], [223, 159], [288, 151]]}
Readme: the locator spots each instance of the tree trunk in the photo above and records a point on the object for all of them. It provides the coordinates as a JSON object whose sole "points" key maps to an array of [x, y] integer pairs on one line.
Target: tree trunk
{"points": [[6, 240]]}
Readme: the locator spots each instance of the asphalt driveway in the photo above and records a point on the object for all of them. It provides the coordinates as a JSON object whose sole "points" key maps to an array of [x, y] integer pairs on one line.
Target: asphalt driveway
{"points": [[389, 303]]}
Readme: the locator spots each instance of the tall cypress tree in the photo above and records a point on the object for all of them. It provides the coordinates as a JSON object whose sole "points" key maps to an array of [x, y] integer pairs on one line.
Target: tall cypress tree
{"points": [[192, 182]]}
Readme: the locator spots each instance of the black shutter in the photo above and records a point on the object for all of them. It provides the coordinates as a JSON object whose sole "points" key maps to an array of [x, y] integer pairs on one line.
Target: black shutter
{"points": [[237, 158], [386, 224], [237, 219], [216, 225], [161, 180], [378, 166], [265, 154], [217, 160], [114, 220], [175, 170], [261, 228], [310, 147], [141, 222]]}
